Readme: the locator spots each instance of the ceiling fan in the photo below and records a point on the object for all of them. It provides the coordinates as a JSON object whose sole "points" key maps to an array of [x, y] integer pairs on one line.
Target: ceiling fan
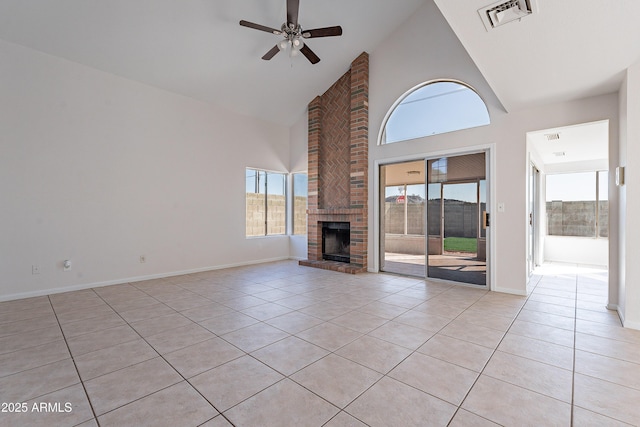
{"points": [[294, 34]]}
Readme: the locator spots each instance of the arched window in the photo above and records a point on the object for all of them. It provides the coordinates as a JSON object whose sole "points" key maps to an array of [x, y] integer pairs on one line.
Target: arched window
{"points": [[434, 108]]}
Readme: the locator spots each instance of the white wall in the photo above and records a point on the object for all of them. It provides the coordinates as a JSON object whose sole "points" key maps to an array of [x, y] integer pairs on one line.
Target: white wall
{"points": [[100, 170], [425, 49], [629, 200], [577, 250]]}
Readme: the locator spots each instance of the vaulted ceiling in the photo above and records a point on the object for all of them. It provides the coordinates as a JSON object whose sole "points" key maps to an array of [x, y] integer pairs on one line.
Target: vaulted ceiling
{"points": [[566, 50]]}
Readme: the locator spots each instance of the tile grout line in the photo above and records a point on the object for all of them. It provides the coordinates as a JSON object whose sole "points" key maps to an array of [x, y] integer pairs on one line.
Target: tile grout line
{"points": [[409, 355], [230, 343], [573, 370], [331, 352], [95, 417], [159, 355], [492, 354], [259, 321]]}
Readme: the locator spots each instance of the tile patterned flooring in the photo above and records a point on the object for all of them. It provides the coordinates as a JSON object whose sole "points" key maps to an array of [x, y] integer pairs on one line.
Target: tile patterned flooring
{"points": [[283, 345]]}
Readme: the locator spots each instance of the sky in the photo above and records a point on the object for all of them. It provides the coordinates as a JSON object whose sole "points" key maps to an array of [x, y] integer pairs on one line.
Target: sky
{"points": [[436, 108], [276, 182], [571, 187]]}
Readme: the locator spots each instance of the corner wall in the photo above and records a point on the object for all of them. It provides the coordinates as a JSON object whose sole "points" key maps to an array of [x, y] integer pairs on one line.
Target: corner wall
{"points": [[99, 170], [629, 200]]}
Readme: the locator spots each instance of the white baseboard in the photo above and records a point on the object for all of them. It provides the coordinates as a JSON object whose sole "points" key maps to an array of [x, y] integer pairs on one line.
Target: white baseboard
{"points": [[627, 323], [510, 291], [51, 291], [631, 325]]}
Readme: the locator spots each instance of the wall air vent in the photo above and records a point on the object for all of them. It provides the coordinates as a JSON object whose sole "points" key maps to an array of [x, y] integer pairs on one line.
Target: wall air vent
{"points": [[503, 12]]}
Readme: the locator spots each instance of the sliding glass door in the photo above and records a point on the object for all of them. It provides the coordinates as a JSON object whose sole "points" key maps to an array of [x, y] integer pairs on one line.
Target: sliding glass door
{"points": [[434, 218], [457, 254], [402, 213]]}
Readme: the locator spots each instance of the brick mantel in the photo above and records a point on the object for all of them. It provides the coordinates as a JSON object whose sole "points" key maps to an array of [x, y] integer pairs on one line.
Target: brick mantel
{"points": [[338, 165]]}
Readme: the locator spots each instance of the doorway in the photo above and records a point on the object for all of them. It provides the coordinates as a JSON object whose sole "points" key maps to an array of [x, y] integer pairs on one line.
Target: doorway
{"points": [[568, 185], [434, 218]]}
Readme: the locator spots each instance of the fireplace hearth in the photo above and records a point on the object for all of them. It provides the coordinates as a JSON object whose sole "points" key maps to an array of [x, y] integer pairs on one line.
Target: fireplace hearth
{"points": [[336, 241]]}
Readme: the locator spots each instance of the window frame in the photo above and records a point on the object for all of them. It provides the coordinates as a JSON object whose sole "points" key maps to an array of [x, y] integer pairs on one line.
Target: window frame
{"points": [[285, 191], [385, 121], [293, 203], [597, 213]]}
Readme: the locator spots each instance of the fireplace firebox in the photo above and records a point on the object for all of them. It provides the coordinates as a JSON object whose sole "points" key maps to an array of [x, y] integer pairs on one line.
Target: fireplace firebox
{"points": [[336, 239]]}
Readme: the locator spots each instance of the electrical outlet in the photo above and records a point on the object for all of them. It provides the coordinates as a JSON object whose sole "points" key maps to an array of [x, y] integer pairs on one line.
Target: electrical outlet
{"points": [[143, 259], [35, 269]]}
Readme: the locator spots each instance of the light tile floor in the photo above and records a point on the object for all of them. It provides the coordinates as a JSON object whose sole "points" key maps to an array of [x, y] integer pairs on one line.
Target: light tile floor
{"points": [[283, 345]]}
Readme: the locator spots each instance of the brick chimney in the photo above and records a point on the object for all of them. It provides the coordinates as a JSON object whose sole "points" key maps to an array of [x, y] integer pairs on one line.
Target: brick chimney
{"points": [[338, 166]]}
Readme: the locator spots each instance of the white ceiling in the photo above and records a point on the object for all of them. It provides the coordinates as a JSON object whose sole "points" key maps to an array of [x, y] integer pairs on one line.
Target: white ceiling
{"points": [[586, 142], [568, 49], [405, 173], [198, 49]]}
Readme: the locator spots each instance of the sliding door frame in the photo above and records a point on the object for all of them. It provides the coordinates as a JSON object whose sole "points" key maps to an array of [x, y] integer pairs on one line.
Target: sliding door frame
{"points": [[490, 166]]}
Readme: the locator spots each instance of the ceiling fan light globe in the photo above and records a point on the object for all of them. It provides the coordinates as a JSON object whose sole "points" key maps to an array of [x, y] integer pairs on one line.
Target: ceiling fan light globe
{"points": [[297, 43], [283, 44]]}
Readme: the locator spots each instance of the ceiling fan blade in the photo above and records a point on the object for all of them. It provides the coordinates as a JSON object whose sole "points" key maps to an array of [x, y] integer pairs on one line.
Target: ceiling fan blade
{"points": [[311, 56], [322, 32], [260, 27], [267, 56], [293, 6]]}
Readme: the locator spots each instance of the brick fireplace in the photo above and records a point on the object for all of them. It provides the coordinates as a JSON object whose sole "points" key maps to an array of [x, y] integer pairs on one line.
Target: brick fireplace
{"points": [[338, 167]]}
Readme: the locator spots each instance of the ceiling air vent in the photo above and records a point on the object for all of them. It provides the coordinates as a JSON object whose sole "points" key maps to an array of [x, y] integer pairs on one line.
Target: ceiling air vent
{"points": [[503, 12]]}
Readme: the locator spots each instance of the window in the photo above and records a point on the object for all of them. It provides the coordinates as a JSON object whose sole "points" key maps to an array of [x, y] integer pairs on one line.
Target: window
{"points": [[577, 204], [299, 203], [435, 108], [266, 203]]}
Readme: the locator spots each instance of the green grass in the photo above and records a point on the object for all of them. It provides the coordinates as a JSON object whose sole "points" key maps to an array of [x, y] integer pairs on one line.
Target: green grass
{"points": [[460, 244]]}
